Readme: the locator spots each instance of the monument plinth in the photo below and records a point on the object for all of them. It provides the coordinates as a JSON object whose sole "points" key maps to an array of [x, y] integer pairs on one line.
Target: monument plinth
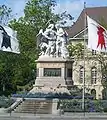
{"points": [[54, 74]]}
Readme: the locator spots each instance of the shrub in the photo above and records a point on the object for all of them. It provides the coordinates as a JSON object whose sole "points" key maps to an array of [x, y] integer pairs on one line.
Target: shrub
{"points": [[105, 109]]}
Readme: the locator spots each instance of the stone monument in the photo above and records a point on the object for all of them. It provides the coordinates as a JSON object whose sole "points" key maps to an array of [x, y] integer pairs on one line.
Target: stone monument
{"points": [[54, 67]]}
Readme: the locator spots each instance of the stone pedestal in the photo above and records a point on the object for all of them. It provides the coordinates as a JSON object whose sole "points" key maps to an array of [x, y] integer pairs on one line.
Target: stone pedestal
{"points": [[53, 75]]}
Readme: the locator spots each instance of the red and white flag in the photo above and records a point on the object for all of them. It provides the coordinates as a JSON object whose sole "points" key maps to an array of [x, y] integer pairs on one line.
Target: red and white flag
{"points": [[97, 36]]}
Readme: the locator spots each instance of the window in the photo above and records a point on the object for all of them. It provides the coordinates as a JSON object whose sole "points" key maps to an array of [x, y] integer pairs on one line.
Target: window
{"points": [[93, 93], [93, 52], [81, 74], [69, 83], [93, 75], [52, 72], [69, 72]]}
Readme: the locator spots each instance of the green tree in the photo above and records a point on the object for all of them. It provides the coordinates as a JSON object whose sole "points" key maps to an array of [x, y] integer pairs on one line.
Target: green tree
{"points": [[76, 50], [37, 13], [5, 14], [6, 61], [18, 71]]}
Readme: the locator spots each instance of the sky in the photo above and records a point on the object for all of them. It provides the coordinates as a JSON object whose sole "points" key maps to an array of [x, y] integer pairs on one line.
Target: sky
{"points": [[73, 7]]}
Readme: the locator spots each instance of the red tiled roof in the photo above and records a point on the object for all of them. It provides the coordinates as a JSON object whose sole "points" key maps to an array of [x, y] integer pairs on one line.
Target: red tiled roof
{"points": [[96, 13]]}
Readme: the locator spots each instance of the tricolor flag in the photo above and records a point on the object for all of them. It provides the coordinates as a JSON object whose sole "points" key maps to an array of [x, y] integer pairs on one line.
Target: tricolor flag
{"points": [[97, 36], [8, 40]]}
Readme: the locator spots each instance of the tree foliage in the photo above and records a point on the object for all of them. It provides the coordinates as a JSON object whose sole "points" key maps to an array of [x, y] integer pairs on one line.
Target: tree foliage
{"points": [[37, 14], [17, 71], [76, 50], [5, 14]]}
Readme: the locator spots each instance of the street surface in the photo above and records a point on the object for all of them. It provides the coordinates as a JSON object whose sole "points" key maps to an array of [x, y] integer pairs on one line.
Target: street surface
{"points": [[66, 116]]}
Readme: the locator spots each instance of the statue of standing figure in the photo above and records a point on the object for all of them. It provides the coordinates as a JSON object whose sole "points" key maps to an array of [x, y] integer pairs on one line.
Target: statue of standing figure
{"points": [[61, 42], [53, 41]]}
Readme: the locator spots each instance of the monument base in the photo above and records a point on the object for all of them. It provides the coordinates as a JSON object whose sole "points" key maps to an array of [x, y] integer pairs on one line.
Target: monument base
{"points": [[54, 75]]}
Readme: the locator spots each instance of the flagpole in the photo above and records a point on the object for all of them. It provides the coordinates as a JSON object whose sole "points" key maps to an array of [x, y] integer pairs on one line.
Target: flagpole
{"points": [[83, 94]]}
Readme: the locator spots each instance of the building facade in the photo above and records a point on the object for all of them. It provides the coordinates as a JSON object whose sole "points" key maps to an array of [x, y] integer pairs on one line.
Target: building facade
{"points": [[88, 68]]}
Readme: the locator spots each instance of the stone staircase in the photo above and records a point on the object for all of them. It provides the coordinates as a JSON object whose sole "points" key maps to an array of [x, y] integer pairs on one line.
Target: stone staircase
{"points": [[35, 106]]}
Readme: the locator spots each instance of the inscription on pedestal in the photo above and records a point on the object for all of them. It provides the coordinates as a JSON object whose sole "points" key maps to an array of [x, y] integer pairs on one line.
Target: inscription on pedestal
{"points": [[55, 72]]}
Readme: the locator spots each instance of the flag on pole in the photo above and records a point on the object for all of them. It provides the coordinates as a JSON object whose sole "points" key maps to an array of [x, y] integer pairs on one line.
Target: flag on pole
{"points": [[97, 36], [8, 40]]}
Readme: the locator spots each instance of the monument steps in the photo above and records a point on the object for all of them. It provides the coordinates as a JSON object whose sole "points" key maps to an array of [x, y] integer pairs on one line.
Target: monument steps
{"points": [[34, 106]]}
